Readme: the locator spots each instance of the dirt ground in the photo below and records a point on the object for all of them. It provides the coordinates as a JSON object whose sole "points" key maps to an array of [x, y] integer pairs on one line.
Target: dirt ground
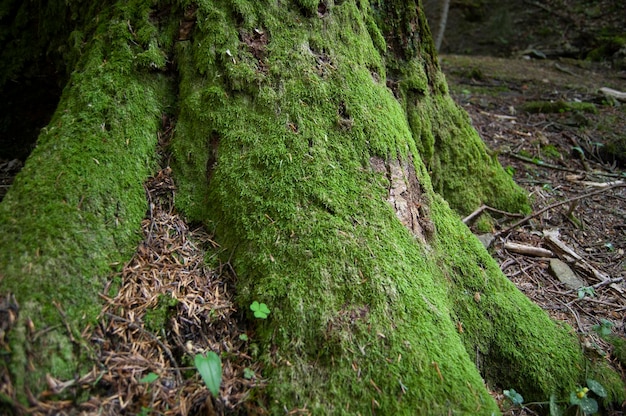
{"points": [[556, 154]]}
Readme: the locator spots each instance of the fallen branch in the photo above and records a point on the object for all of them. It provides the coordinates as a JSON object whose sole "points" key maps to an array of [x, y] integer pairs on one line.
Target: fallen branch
{"points": [[557, 204], [528, 250], [618, 95]]}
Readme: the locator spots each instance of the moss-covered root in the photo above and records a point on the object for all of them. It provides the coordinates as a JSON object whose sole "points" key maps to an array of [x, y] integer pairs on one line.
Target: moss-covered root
{"points": [[75, 209], [456, 157]]}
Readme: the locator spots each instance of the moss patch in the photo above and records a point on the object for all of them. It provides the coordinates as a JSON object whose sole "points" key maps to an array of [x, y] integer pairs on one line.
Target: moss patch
{"points": [[156, 318], [558, 107]]}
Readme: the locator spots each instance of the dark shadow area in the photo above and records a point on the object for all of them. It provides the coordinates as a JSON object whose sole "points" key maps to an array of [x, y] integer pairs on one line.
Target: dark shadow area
{"points": [[580, 29], [26, 106]]}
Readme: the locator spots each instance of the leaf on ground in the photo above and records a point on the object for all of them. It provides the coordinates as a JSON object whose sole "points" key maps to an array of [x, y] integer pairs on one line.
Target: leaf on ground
{"points": [[596, 387], [210, 368], [149, 378]]}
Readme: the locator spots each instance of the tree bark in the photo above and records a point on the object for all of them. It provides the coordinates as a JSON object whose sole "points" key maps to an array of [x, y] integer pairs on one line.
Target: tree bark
{"points": [[318, 141]]}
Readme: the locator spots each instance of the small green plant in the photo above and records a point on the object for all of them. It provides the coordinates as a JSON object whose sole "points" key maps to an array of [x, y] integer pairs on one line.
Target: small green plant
{"points": [[248, 373], [603, 328], [210, 369], [514, 397], [586, 291], [585, 403], [580, 398], [510, 170], [243, 337], [145, 411], [149, 378], [260, 310]]}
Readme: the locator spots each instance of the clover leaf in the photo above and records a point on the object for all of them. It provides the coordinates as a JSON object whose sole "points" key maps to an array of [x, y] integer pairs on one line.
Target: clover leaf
{"points": [[260, 310]]}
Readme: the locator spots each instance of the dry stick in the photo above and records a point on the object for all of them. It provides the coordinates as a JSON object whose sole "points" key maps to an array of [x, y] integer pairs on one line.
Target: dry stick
{"points": [[607, 282], [482, 208], [179, 377], [541, 163], [580, 327], [557, 204]]}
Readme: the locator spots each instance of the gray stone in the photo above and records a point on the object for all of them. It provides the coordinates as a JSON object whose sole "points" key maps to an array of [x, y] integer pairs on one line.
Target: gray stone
{"points": [[565, 274]]}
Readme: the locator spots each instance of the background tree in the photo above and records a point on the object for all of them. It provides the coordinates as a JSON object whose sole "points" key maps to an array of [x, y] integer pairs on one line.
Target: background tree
{"points": [[318, 141]]}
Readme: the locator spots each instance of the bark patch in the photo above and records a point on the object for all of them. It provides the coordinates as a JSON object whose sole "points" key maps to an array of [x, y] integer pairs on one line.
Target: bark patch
{"points": [[406, 196]]}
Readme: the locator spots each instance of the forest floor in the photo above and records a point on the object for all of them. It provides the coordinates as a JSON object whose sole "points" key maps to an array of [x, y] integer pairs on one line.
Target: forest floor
{"points": [[550, 126]]}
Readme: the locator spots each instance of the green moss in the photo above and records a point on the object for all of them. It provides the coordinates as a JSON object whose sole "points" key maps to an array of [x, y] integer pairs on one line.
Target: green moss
{"points": [[156, 318], [558, 107], [76, 207], [461, 169], [485, 223], [550, 151], [619, 347]]}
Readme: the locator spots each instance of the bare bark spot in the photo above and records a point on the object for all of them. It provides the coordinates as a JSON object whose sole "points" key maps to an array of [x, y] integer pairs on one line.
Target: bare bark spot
{"points": [[407, 197], [187, 23], [322, 9]]}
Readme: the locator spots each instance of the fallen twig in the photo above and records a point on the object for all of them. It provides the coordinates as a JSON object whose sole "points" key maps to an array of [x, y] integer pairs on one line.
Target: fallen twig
{"points": [[528, 250], [541, 163], [482, 208], [556, 204]]}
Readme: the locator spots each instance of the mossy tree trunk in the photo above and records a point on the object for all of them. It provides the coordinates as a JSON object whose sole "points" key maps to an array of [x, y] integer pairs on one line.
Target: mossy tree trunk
{"points": [[318, 141]]}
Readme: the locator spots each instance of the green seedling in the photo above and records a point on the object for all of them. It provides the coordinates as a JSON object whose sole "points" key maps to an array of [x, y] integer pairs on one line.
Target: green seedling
{"points": [[260, 310], [580, 398], [514, 397], [145, 411], [248, 373], [149, 378], [210, 369], [603, 328], [586, 291], [585, 403]]}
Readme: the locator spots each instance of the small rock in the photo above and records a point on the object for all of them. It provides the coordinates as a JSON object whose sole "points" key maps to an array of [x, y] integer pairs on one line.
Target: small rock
{"points": [[565, 274], [486, 239]]}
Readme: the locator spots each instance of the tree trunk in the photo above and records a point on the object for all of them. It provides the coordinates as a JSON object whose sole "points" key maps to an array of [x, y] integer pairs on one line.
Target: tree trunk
{"points": [[318, 141]]}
